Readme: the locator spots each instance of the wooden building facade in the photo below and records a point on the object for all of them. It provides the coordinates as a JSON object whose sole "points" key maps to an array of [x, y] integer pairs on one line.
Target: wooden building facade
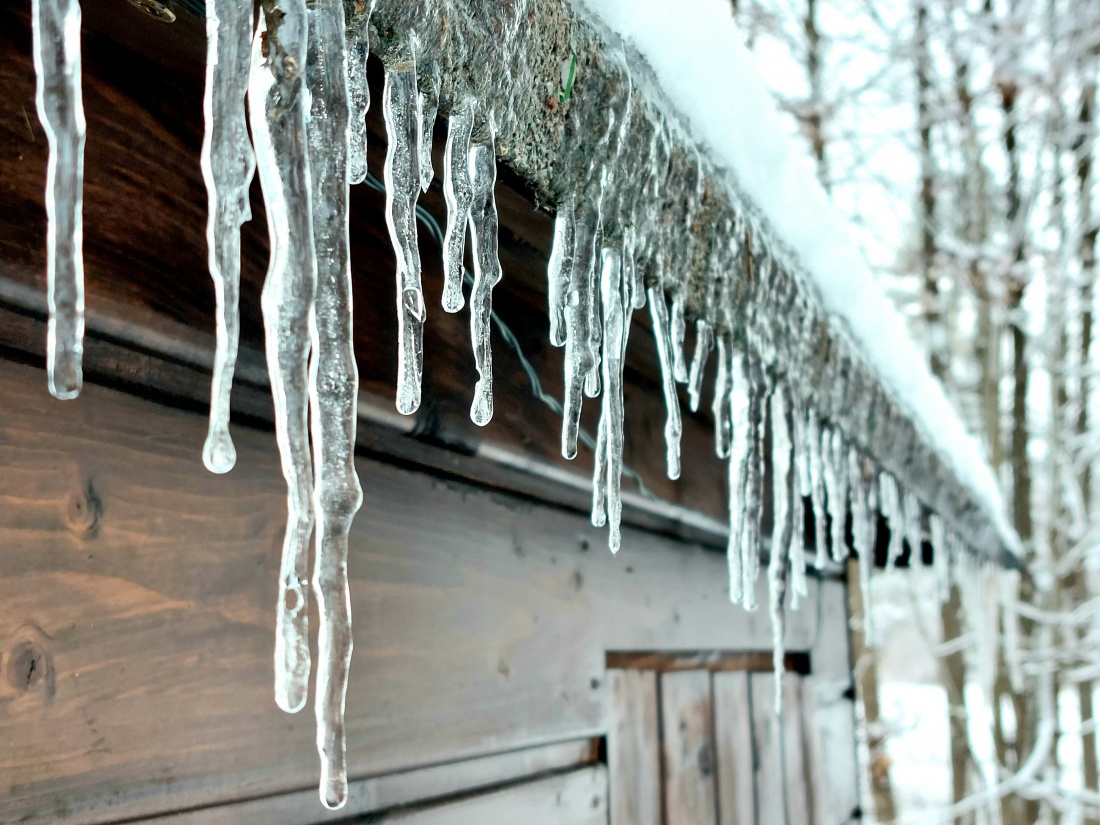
{"points": [[507, 668]]}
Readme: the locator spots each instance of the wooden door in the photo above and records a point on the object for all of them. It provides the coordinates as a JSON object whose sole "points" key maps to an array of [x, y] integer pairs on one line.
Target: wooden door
{"points": [[704, 746]]}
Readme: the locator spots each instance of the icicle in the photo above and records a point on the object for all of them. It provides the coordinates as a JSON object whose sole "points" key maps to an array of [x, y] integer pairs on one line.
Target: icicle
{"points": [[760, 389], [658, 311], [560, 270], [487, 274], [358, 50], [912, 527], [891, 510], [817, 487], [836, 486], [458, 192], [428, 107], [277, 114], [400, 111], [863, 533], [333, 386], [720, 407], [740, 452], [56, 29], [704, 342], [609, 455], [593, 325], [939, 556], [677, 330], [796, 545], [1010, 584], [783, 487], [634, 274], [227, 168], [579, 358]]}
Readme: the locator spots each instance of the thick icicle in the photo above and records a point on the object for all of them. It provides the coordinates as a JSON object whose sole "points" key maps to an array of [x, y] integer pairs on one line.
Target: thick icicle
{"points": [[333, 386], [658, 311], [677, 330], [560, 270], [704, 342], [609, 456], [227, 168], [817, 487], [836, 487], [56, 29], [720, 406], [760, 389], [276, 96], [401, 114], [580, 360], [459, 194], [593, 325], [739, 450], [358, 46], [779, 561], [890, 504], [428, 108], [487, 274]]}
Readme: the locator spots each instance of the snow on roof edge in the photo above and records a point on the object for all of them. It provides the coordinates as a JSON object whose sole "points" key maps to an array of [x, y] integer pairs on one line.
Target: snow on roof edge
{"points": [[707, 73]]}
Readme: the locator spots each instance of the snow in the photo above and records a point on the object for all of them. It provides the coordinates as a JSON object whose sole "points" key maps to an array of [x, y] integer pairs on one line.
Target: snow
{"points": [[704, 69]]}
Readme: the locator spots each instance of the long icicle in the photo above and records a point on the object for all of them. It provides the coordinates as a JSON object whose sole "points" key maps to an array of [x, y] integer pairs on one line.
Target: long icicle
{"points": [[779, 561], [720, 406], [677, 329], [674, 426], [739, 450], [400, 111], [56, 28], [337, 496], [487, 274], [704, 343], [801, 460], [817, 487], [759, 392], [459, 194], [276, 95], [227, 167], [579, 358], [357, 38], [560, 270]]}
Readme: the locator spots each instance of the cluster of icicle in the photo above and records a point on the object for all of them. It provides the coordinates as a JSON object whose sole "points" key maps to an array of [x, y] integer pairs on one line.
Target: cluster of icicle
{"points": [[618, 246]]}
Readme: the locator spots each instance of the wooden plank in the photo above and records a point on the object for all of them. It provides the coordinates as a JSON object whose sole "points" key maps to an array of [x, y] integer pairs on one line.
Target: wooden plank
{"points": [[576, 798], [715, 661], [634, 748], [383, 793], [768, 782], [795, 774], [148, 587], [733, 735], [687, 748]]}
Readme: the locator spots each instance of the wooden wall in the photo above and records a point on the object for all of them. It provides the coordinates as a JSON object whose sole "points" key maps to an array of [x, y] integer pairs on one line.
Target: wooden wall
{"points": [[136, 626]]}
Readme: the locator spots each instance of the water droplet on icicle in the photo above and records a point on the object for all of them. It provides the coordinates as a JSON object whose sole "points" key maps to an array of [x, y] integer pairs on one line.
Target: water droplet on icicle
{"points": [[400, 110], [458, 192], [56, 30], [227, 167], [276, 95], [337, 495], [487, 273]]}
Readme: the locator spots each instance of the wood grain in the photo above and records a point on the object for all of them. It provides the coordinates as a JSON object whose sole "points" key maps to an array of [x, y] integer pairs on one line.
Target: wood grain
{"points": [[634, 748], [687, 746], [796, 777], [771, 807], [733, 736], [482, 620], [577, 798]]}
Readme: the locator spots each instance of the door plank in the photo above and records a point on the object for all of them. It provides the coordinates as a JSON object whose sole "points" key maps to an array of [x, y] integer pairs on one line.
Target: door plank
{"points": [[688, 748], [733, 735], [634, 748], [767, 734], [577, 798], [796, 776]]}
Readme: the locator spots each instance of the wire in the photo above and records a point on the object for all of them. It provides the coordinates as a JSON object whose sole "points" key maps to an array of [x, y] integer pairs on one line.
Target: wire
{"points": [[432, 225]]}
